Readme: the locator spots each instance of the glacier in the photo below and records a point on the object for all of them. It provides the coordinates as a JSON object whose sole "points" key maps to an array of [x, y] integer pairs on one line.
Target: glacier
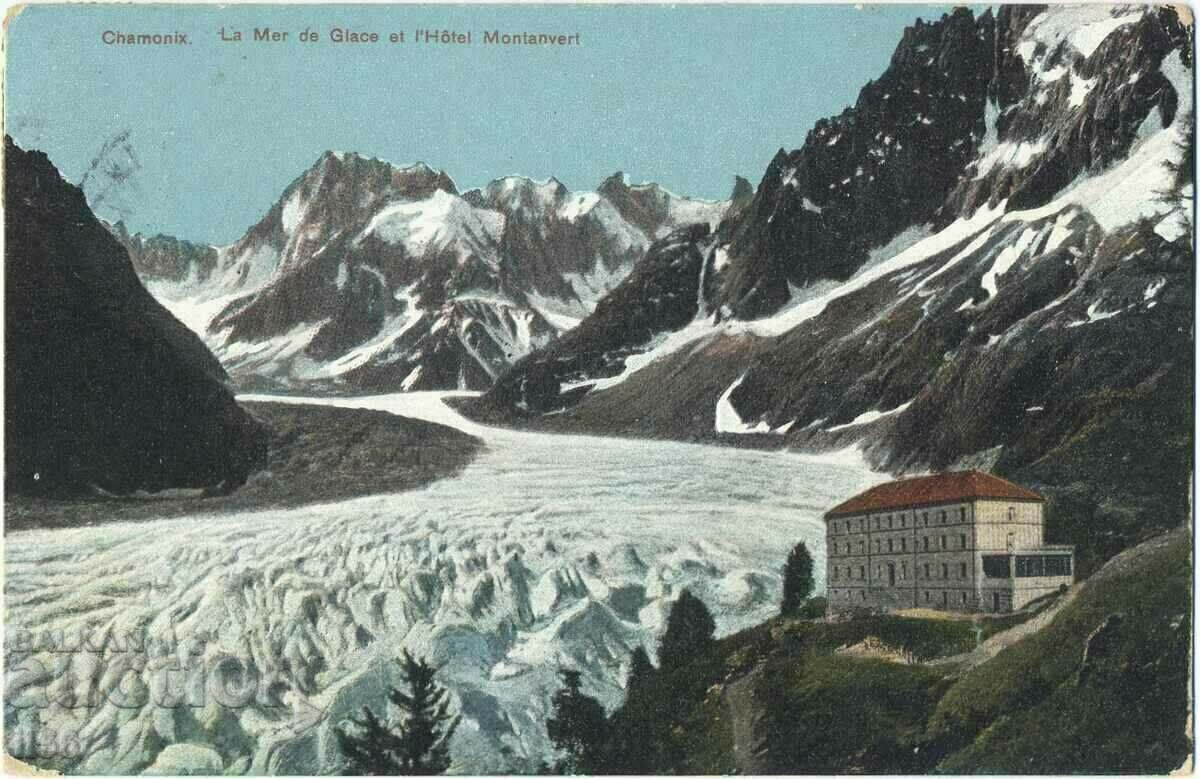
{"points": [[250, 636]]}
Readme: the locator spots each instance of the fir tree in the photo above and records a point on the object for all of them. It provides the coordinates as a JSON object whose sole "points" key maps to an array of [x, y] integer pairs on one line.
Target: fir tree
{"points": [[577, 728], [689, 632], [419, 743], [797, 580], [632, 747], [640, 671]]}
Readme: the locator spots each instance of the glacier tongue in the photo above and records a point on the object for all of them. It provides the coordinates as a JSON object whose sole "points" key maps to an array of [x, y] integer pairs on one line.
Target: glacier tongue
{"points": [[548, 552]]}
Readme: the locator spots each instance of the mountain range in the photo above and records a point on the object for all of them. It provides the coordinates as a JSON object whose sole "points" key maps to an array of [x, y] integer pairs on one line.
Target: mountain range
{"points": [[368, 276]]}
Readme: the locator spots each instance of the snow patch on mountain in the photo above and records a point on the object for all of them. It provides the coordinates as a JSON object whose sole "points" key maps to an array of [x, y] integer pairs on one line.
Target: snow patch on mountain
{"points": [[867, 417], [441, 221], [727, 418]]}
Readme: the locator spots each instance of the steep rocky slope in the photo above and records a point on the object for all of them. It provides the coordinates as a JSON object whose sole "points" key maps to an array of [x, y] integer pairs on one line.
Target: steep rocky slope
{"points": [[368, 276], [104, 388], [1044, 292]]}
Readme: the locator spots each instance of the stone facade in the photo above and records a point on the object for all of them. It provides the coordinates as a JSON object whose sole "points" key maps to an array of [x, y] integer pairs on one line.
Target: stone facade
{"points": [[973, 553]]}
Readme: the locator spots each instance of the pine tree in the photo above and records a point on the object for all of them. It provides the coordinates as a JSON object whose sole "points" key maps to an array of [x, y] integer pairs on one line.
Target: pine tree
{"points": [[689, 633], [577, 728], [633, 728], [640, 671], [419, 743], [797, 580]]}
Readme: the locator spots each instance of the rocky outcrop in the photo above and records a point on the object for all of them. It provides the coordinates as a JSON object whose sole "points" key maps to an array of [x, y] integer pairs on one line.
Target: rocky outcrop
{"points": [[651, 300], [165, 258], [104, 388]]}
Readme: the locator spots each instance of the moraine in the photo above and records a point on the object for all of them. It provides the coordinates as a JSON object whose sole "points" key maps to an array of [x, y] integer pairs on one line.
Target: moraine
{"points": [[548, 551]]}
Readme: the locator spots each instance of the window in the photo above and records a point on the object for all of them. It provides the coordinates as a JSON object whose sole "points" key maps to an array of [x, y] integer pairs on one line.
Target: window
{"points": [[903, 544], [862, 572], [877, 545], [1012, 514], [926, 596], [964, 597], [889, 521], [862, 524], [943, 542], [926, 517], [901, 520], [943, 520], [945, 598], [864, 594], [945, 571], [890, 546], [962, 515], [835, 573], [1059, 565], [876, 523], [926, 543], [879, 572], [862, 547], [904, 571], [926, 570], [1043, 565], [995, 566], [962, 540], [962, 570]]}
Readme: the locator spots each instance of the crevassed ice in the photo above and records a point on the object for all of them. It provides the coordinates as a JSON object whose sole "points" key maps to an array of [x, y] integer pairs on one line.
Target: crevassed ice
{"points": [[547, 552]]}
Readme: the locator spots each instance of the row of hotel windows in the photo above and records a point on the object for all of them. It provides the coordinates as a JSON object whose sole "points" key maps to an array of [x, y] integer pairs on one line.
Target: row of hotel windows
{"points": [[847, 525], [902, 546], [903, 572], [946, 597], [902, 519]]}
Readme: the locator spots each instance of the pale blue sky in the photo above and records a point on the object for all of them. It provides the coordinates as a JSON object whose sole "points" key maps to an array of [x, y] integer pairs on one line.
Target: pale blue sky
{"points": [[686, 96]]}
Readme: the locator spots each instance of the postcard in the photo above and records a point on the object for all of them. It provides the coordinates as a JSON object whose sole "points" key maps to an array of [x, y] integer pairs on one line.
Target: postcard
{"points": [[598, 389]]}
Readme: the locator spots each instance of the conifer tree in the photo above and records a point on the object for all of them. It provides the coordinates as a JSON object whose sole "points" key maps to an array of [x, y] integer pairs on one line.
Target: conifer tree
{"points": [[418, 743], [640, 670], [797, 580], [578, 728], [689, 633]]}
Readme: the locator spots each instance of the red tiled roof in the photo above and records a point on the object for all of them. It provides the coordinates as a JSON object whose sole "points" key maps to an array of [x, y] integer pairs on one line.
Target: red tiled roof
{"points": [[926, 490]]}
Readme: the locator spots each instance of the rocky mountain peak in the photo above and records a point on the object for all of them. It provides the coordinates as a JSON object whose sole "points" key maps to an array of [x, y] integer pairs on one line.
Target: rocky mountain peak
{"points": [[743, 192], [522, 195], [866, 174]]}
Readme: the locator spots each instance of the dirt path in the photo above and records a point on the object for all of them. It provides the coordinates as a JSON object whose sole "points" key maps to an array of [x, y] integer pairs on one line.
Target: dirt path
{"points": [[749, 745], [993, 645]]}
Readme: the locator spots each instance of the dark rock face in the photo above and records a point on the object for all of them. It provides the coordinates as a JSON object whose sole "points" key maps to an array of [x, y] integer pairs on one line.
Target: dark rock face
{"points": [[166, 258], [969, 112], [660, 295], [861, 177], [1059, 111], [104, 387]]}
